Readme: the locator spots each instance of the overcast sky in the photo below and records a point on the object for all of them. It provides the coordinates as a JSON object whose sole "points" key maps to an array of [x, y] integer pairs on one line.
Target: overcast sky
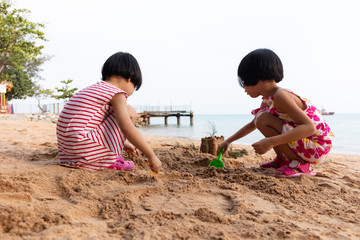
{"points": [[189, 50]]}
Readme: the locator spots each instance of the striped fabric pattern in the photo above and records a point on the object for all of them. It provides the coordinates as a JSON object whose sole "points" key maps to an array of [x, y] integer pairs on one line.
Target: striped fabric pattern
{"points": [[87, 132]]}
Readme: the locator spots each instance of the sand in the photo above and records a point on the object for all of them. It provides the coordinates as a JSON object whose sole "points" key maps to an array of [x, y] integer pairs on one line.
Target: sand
{"points": [[190, 200]]}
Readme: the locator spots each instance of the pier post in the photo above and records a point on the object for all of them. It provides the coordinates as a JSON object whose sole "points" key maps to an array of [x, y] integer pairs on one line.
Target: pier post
{"points": [[146, 115], [178, 118]]}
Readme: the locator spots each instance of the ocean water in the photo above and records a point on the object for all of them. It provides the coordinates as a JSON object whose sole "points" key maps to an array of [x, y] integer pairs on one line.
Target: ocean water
{"points": [[345, 127]]}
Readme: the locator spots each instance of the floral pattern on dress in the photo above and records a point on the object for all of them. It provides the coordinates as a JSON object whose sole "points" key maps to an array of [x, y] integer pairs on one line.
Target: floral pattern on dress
{"points": [[314, 148]]}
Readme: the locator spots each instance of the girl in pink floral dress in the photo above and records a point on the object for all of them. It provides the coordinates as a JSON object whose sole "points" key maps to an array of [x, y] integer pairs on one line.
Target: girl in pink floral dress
{"points": [[292, 126]]}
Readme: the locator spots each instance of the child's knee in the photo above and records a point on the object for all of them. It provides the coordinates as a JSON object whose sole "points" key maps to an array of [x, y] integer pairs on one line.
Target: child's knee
{"points": [[261, 120], [132, 113], [266, 120]]}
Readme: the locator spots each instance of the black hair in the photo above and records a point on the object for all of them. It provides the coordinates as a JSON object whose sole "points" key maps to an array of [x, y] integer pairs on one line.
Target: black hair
{"points": [[122, 64], [260, 65]]}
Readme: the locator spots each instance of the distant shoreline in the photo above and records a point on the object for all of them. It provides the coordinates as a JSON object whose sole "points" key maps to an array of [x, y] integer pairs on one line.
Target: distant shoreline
{"points": [[52, 118]]}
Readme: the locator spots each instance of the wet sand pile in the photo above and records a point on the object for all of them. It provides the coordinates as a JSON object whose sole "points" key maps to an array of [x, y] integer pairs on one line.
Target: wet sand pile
{"points": [[190, 200]]}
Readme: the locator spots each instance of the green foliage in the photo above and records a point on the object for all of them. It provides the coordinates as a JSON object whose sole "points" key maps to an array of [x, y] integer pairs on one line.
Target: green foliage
{"points": [[40, 93], [66, 91], [23, 85], [236, 154], [19, 50]]}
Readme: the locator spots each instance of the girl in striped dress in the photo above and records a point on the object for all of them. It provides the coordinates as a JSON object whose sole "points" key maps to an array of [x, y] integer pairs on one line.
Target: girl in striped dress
{"points": [[93, 126], [292, 126]]}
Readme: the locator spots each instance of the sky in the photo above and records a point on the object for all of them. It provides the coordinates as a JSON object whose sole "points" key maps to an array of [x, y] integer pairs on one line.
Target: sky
{"points": [[189, 50]]}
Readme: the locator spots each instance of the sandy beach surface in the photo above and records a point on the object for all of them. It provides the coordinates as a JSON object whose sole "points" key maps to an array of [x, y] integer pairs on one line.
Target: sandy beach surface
{"points": [[190, 200]]}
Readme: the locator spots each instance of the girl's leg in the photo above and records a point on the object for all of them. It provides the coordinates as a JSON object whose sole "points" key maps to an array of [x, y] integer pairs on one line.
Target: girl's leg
{"points": [[270, 125]]}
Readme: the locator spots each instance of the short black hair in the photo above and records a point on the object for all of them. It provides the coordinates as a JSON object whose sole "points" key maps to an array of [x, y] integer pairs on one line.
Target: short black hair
{"points": [[122, 64], [260, 64]]}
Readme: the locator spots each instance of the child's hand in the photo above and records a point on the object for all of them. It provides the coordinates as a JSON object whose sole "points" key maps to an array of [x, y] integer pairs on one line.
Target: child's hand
{"points": [[130, 150], [155, 164], [262, 146], [224, 145]]}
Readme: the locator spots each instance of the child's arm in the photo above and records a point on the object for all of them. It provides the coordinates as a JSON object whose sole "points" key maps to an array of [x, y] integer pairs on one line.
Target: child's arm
{"points": [[131, 133], [290, 104], [245, 130]]}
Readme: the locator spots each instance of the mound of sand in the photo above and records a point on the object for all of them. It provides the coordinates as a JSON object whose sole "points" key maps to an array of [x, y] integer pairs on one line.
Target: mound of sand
{"points": [[190, 200]]}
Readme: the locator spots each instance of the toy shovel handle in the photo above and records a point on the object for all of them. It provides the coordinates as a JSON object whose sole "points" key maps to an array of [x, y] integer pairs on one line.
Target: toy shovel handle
{"points": [[220, 154]]}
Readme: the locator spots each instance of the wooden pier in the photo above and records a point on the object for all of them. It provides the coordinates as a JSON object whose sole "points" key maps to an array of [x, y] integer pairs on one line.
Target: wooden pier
{"points": [[146, 115]]}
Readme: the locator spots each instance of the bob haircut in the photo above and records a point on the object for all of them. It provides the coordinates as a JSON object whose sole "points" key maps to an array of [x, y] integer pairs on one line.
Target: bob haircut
{"points": [[260, 65], [125, 65]]}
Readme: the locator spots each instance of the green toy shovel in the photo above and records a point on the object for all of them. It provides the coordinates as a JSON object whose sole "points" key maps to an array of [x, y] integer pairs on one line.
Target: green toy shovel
{"points": [[217, 162]]}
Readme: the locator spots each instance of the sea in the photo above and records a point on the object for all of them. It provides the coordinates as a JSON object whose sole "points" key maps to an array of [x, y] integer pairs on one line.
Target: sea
{"points": [[346, 128]]}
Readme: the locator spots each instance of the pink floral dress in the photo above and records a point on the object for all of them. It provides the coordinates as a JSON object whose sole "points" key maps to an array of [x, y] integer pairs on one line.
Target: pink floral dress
{"points": [[314, 148]]}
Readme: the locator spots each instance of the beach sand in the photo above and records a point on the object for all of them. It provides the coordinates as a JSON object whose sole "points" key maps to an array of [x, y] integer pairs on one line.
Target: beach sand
{"points": [[190, 200]]}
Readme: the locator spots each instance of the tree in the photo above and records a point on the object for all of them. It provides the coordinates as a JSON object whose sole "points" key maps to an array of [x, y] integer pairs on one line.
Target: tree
{"points": [[67, 93], [41, 94], [23, 83], [20, 54]]}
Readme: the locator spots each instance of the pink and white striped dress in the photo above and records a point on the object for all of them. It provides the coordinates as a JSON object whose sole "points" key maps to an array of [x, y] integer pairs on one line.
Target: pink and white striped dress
{"points": [[87, 132]]}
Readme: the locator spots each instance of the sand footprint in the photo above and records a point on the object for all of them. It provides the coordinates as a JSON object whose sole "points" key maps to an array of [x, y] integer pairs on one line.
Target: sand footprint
{"points": [[189, 200]]}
